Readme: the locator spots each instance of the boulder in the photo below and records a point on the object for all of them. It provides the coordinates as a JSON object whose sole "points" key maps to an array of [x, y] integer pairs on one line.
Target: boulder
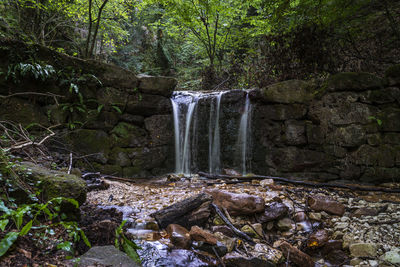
{"points": [[94, 142], [148, 105], [392, 75], [363, 250], [295, 132], [156, 85], [273, 211], [288, 92], [129, 135], [54, 183], [179, 236], [352, 81], [106, 256], [319, 203], [198, 234], [237, 204], [392, 256], [281, 112]]}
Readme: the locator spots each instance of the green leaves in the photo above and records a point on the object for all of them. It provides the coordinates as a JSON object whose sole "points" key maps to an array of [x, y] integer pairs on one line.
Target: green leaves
{"points": [[127, 245], [26, 228], [7, 242], [3, 224]]}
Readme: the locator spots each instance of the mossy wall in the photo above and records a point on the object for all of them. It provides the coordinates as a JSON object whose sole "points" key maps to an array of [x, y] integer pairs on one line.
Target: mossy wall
{"points": [[118, 123]]}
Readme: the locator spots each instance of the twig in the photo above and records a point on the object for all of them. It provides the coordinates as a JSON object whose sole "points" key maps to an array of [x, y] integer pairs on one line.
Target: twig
{"points": [[218, 257], [70, 163], [230, 225]]}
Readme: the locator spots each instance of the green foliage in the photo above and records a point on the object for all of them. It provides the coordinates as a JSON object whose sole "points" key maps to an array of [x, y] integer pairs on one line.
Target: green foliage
{"points": [[36, 71], [378, 121], [20, 219], [121, 241]]}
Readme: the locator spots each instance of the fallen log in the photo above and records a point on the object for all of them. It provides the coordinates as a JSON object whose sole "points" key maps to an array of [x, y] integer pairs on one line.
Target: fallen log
{"points": [[299, 182], [188, 212], [230, 225]]}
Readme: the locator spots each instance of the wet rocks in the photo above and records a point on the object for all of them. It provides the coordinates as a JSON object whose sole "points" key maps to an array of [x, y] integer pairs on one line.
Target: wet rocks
{"points": [[296, 255], [273, 211], [253, 230], [319, 203], [318, 239], [392, 256], [227, 241], [363, 250], [179, 236], [223, 229], [237, 204], [198, 234], [235, 259], [285, 224], [106, 256]]}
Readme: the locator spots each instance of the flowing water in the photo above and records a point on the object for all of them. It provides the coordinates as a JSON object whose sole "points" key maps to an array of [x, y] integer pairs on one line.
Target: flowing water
{"points": [[214, 158], [244, 140], [201, 116]]}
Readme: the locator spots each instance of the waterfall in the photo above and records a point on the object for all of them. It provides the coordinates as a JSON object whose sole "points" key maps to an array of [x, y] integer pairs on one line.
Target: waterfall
{"points": [[184, 108], [244, 141], [214, 151]]}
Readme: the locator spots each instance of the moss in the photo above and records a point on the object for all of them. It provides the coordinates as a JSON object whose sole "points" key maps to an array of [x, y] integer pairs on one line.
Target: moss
{"points": [[129, 135], [131, 171], [55, 183], [288, 92]]}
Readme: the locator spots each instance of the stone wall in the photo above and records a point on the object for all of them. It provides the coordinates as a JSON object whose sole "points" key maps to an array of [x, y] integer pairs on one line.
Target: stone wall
{"points": [[347, 127], [125, 128]]}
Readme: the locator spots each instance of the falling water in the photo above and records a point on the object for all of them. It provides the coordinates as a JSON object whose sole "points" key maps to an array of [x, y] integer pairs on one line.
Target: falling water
{"points": [[184, 107], [244, 137], [214, 151]]}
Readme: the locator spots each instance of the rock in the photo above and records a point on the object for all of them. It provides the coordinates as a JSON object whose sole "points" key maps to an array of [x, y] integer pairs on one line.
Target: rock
{"points": [[230, 172], [355, 261], [364, 212], [219, 247], [299, 216], [352, 81], [148, 105], [288, 92], [392, 75], [337, 235], [266, 182], [95, 142], [129, 135], [237, 204], [350, 136], [255, 230], [318, 239], [159, 128], [273, 211], [227, 241], [297, 256], [22, 111], [198, 234], [392, 256], [318, 203], [269, 253], [224, 230], [179, 236], [54, 183], [314, 216], [363, 250], [234, 259], [281, 112], [285, 224], [295, 132], [156, 85], [106, 256]]}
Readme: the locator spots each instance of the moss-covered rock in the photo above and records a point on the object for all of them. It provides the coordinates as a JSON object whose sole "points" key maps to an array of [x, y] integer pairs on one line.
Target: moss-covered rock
{"points": [[352, 81], [350, 136], [392, 75], [288, 92], [129, 135], [95, 142], [22, 111], [54, 183], [119, 156]]}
